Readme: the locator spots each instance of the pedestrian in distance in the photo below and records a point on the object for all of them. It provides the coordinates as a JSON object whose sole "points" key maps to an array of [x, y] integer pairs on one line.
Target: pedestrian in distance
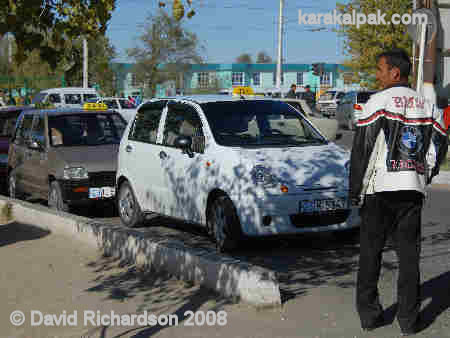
{"points": [[399, 144], [291, 93], [309, 97]]}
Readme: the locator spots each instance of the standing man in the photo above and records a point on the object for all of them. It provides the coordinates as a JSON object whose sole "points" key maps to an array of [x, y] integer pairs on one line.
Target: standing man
{"points": [[309, 97], [291, 93], [398, 147]]}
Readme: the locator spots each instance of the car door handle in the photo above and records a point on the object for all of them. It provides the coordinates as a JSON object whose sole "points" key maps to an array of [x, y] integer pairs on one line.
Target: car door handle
{"points": [[162, 155], [128, 148]]}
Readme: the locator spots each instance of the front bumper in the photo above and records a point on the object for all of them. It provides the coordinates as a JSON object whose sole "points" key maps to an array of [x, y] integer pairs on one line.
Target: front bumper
{"points": [[77, 191], [286, 218]]}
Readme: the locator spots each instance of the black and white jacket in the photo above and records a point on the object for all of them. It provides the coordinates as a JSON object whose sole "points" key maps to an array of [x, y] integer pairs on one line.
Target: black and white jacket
{"points": [[399, 143]]}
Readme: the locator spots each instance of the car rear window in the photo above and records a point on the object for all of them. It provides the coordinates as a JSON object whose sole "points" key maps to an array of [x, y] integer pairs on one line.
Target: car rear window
{"points": [[364, 97], [327, 96]]}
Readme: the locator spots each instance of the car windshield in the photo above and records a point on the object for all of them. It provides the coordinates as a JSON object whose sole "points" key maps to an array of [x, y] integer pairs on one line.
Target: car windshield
{"points": [[90, 97], [259, 123], [38, 98], [125, 104], [86, 129], [327, 96]]}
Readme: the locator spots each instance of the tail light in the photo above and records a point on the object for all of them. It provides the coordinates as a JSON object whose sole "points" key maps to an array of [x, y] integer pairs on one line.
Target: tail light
{"points": [[357, 107]]}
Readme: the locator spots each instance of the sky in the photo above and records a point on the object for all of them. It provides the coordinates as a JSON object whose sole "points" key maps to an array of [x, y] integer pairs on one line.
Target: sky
{"points": [[229, 28]]}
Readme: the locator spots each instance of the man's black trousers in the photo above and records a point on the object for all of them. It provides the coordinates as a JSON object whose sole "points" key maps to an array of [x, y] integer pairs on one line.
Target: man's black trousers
{"points": [[396, 214]]}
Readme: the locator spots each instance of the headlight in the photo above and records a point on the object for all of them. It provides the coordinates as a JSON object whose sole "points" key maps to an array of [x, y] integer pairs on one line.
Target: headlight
{"points": [[78, 173], [263, 175], [3, 158]]}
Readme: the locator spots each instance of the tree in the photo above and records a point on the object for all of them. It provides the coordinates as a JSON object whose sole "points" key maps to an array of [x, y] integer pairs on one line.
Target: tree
{"points": [[364, 43], [167, 46], [178, 9], [244, 58], [48, 25], [263, 57]]}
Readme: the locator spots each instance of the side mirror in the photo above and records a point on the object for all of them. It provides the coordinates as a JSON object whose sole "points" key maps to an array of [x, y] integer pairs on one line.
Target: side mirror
{"points": [[185, 143]]}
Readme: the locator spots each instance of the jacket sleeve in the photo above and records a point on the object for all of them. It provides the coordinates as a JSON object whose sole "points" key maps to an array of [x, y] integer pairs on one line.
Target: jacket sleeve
{"points": [[437, 152], [368, 128]]}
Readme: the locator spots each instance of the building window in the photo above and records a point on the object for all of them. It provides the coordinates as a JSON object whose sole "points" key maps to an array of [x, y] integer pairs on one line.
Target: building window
{"points": [[275, 78], [325, 79], [203, 80], [237, 79], [300, 78], [256, 79]]}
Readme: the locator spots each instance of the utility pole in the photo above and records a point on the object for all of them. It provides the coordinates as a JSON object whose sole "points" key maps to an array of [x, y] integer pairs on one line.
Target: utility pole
{"points": [[85, 63], [280, 42]]}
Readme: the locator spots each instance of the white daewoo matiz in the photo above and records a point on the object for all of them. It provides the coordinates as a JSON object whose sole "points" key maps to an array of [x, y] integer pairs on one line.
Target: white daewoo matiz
{"points": [[239, 167]]}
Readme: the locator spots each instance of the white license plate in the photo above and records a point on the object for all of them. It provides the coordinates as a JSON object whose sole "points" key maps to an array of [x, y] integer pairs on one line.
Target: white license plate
{"points": [[314, 206], [104, 192]]}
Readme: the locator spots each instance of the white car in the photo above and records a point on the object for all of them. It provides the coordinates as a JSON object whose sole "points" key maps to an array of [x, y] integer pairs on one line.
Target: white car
{"points": [[68, 97], [120, 104], [350, 108], [238, 167]]}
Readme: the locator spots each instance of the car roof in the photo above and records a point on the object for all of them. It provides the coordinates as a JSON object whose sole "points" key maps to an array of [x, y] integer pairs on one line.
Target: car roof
{"points": [[213, 98], [71, 111]]}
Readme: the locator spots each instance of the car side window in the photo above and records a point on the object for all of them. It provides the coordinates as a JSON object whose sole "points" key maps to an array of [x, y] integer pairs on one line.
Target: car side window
{"points": [[38, 131], [24, 130], [112, 104], [183, 120], [146, 123], [54, 98], [72, 98]]}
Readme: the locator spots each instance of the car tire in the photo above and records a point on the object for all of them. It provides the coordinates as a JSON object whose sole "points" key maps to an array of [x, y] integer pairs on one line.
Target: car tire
{"points": [[55, 198], [351, 235], [129, 210], [12, 185], [224, 223]]}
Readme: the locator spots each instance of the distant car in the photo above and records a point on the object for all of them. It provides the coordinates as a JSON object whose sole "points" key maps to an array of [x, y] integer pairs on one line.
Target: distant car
{"points": [[328, 127], [329, 101], [69, 97], [120, 104], [350, 107], [241, 168], [8, 119], [66, 156]]}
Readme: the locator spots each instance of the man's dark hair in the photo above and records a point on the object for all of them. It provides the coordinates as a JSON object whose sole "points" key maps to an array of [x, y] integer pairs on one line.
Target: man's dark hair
{"points": [[397, 58], [293, 85], [307, 86]]}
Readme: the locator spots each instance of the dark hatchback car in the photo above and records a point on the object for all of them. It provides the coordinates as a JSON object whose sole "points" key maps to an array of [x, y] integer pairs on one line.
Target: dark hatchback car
{"points": [[8, 118]]}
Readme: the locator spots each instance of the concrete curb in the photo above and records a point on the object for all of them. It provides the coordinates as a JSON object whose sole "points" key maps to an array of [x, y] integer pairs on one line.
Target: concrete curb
{"points": [[227, 276]]}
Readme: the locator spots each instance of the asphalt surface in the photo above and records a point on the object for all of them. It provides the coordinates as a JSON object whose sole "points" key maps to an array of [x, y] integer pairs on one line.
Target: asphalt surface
{"points": [[310, 263]]}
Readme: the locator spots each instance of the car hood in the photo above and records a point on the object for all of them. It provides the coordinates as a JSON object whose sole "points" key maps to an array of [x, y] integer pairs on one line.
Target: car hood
{"points": [[92, 158], [312, 166]]}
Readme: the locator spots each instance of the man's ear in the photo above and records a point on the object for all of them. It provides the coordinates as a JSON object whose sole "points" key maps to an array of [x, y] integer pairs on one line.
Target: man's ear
{"points": [[395, 74]]}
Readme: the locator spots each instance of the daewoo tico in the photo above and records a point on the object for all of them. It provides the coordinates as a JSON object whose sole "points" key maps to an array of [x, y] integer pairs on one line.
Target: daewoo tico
{"points": [[239, 167]]}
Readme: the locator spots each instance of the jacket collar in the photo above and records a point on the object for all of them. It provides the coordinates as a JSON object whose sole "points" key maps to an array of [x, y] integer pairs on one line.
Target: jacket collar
{"points": [[404, 84]]}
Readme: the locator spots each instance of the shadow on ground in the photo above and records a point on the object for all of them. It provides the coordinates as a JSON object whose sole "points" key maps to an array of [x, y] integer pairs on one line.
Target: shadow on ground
{"points": [[14, 232], [158, 294]]}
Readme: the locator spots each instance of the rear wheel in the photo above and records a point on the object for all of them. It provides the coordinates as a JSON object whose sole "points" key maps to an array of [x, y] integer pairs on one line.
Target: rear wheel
{"points": [[55, 198], [129, 210], [224, 224]]}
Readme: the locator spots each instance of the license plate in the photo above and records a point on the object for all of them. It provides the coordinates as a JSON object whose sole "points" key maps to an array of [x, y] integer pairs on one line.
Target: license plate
{"points": [[104, 192], [314, 206]]}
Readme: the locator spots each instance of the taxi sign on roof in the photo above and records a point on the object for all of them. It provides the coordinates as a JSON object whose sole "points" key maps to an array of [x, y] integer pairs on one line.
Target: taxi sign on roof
{"points": [[95, 106], [243, 91]]}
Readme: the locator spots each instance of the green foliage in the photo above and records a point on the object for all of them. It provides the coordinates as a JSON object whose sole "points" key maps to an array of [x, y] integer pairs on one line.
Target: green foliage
{"points": [[32, 22], [167, 48], [364, 43]]}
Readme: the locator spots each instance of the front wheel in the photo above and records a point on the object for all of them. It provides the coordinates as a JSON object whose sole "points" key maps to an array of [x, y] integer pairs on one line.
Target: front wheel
{"points": [[55, 198], [129, 210], [224, 224]]}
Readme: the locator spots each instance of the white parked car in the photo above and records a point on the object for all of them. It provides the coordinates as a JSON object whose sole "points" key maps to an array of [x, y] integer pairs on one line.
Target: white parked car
{"points": [[68, 97], [239, 167], [350, 108], [329, 101], [120, 104]]}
